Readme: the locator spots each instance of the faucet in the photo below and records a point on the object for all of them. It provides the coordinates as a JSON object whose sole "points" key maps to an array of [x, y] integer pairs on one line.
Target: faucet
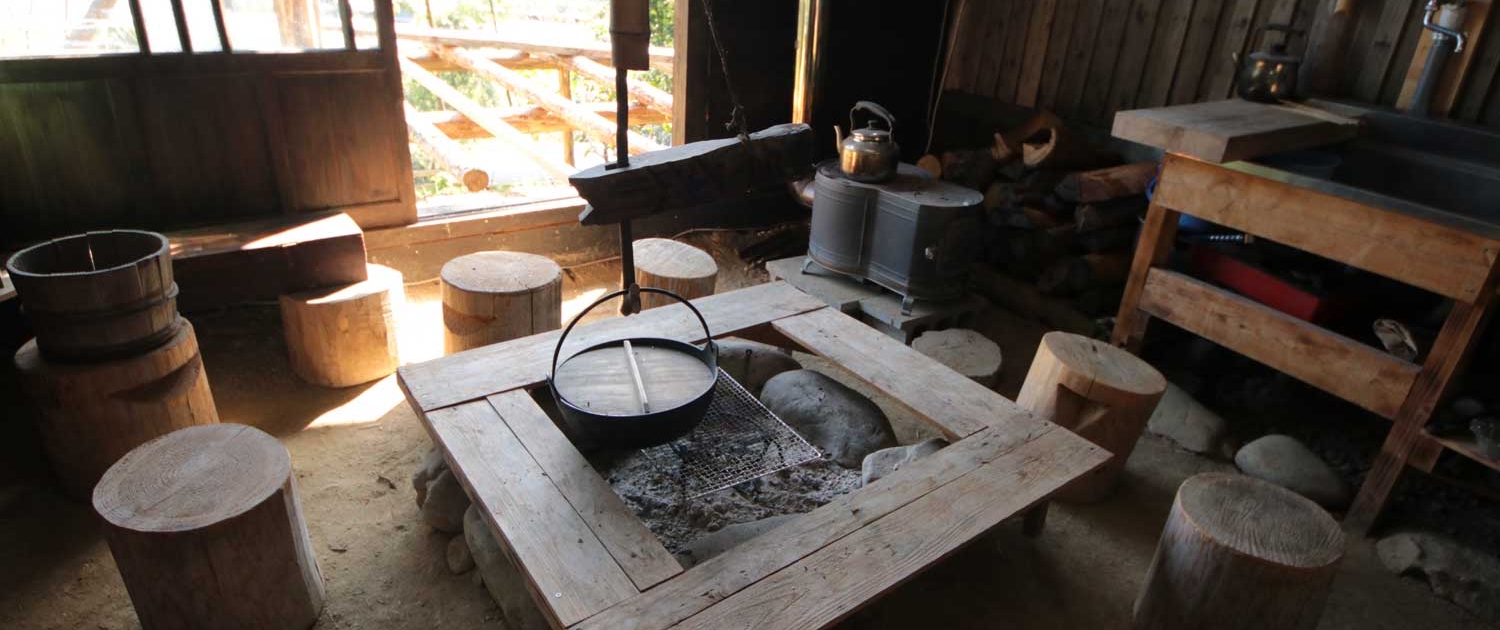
{"points": [[1441, 32], [1443, 20]]}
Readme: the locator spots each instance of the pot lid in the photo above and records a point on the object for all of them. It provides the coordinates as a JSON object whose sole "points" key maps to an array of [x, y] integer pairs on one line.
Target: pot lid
{"points": [[871, 134], [600, 380]]}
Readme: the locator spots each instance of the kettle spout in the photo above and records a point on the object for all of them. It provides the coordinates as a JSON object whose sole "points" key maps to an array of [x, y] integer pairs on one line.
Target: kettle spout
{"points": [[838, 139]]}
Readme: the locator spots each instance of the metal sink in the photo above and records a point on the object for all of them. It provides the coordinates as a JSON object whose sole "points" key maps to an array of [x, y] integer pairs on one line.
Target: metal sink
{"points": [[1438, 170]]}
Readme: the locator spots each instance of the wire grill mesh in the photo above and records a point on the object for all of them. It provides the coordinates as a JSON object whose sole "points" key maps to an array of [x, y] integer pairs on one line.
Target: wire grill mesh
{"points": [[738, 440]]}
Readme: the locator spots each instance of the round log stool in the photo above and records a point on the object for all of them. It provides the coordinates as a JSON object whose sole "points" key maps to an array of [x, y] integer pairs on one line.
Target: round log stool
{"points": [[346, 335], [92, 414], [1240, 553], [677, 267], [207, 531], [1098, 391], [489, 297], [964, 351]]}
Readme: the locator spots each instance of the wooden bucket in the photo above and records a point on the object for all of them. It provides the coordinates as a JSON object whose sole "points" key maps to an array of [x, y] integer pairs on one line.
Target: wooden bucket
{"points": [[97, 295]]}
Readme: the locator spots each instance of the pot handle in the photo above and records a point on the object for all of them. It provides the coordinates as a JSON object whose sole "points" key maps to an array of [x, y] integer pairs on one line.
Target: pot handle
{"points": [[874, 108], [556, 352]]}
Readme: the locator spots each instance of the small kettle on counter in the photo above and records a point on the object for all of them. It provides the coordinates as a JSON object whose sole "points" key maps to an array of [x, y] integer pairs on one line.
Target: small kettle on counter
{"points": [[869, 154], [1269, 75]]}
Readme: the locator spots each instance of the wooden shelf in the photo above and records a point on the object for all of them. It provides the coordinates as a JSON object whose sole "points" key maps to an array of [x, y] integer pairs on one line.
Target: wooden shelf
{"points": [[1467, 446]]}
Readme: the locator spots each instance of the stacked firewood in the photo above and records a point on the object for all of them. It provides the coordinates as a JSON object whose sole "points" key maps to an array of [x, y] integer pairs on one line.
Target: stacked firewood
{"points": [[1062, 214]]}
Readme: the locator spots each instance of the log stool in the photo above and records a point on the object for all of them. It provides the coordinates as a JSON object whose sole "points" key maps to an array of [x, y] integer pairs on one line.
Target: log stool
{"points": [[489, 297], [207, 531], [677, 267], [1098, 391], [964, 351], [344, 335], [1240, 553], [92, 414]]}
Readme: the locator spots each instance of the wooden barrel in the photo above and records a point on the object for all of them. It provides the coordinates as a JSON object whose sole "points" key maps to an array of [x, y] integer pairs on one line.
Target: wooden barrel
{"points": [[94, 413], [490, 297], [677, 267], [97, 295], [207, 531]]}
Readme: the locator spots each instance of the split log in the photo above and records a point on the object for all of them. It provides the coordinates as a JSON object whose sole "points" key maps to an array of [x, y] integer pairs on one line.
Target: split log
{"points": [[1108, 239], [1107, 183], [1109, 214], [344, 335], [696, 174], [1008, 144], [1239, 553], [1102, 393], [453, 157], [1065, 150], [675, 266], [1075, 275], [580, 118], [932, 164], [92, 414], [206, 528], [643, 92], [491, 123], [969, 168], [490, 297]]}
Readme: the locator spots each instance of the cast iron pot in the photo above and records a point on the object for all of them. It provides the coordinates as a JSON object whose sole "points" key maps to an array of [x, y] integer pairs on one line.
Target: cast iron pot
{"points": [[638, 430]]}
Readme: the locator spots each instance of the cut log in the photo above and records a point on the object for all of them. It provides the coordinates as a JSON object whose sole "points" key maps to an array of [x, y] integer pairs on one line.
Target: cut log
{"points": [[206, 528], [453, 157], [969, 168], [965, 351], [932, 164], [643, 92], [1075, 275], [696, 174], [530, 119], [489, 297], [97, 295], [677, 267], [1109, 214], [1065, 150], [491, 123], [1008, 144], [1104, 184], [1098, 391], [92, 414], [1239, 553], [579, 117], [661, 57], [1108, 239], [345, 335]]}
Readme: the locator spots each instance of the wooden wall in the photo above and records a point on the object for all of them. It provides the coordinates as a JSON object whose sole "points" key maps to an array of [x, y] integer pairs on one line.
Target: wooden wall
{"points": [[172, 140], [1086, 59]]}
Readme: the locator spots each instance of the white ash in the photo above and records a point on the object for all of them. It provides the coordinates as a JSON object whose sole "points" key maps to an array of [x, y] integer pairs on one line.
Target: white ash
{"points": [[658, 497]]}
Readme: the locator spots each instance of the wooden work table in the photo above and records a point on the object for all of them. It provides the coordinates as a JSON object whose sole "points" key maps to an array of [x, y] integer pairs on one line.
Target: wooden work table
{"points": [[1447, 254], [590, 563]]}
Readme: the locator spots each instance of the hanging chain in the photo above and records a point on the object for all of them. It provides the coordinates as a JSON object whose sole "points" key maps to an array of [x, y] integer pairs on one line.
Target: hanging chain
{"points": [[737, 123]]}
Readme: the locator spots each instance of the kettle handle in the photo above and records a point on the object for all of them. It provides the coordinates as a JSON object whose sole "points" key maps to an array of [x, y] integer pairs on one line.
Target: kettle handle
{"points": [[1286, 29], [874, 108]]}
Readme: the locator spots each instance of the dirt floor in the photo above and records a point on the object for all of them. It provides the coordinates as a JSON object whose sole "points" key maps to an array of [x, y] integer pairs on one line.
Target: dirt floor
{"points": [[355, 448]]}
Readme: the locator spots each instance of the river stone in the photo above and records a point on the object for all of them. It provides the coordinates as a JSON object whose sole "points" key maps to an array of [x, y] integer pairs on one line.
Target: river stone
{"points": [[458, 556], [1284, 461], [432, 464], [1185, 421], [502, 579], [1464, 576], [964, 351], [888, 460], [730, 536], [840, 421], [446, 501], [752, 363]]}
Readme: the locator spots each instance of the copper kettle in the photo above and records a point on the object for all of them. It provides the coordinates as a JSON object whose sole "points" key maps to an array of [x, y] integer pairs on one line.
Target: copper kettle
{"points": [[1269, 75], [870, 153]]}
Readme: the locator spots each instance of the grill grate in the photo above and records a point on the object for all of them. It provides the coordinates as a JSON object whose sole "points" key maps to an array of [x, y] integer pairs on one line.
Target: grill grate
{"points": [[738, 440]]}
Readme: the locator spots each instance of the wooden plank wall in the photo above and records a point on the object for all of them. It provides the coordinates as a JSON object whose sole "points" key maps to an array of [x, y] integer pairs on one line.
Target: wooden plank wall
{"points": [[1086, 59]]}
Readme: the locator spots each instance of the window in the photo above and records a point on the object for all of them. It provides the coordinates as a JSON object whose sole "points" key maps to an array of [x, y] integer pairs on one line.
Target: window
{"points": [[56, 28]]}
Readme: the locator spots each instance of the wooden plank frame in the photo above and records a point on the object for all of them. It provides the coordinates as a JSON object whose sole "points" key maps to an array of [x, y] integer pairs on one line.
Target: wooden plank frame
{"points": [[590, 564]]}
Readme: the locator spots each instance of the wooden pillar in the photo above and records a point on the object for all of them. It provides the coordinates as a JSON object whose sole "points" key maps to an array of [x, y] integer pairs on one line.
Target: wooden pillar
{"points": [[207, 531], [489, 297], [92, 414], [1098, 391], [1240, 553], [677, 267], [565, 90], [344, 335]]}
